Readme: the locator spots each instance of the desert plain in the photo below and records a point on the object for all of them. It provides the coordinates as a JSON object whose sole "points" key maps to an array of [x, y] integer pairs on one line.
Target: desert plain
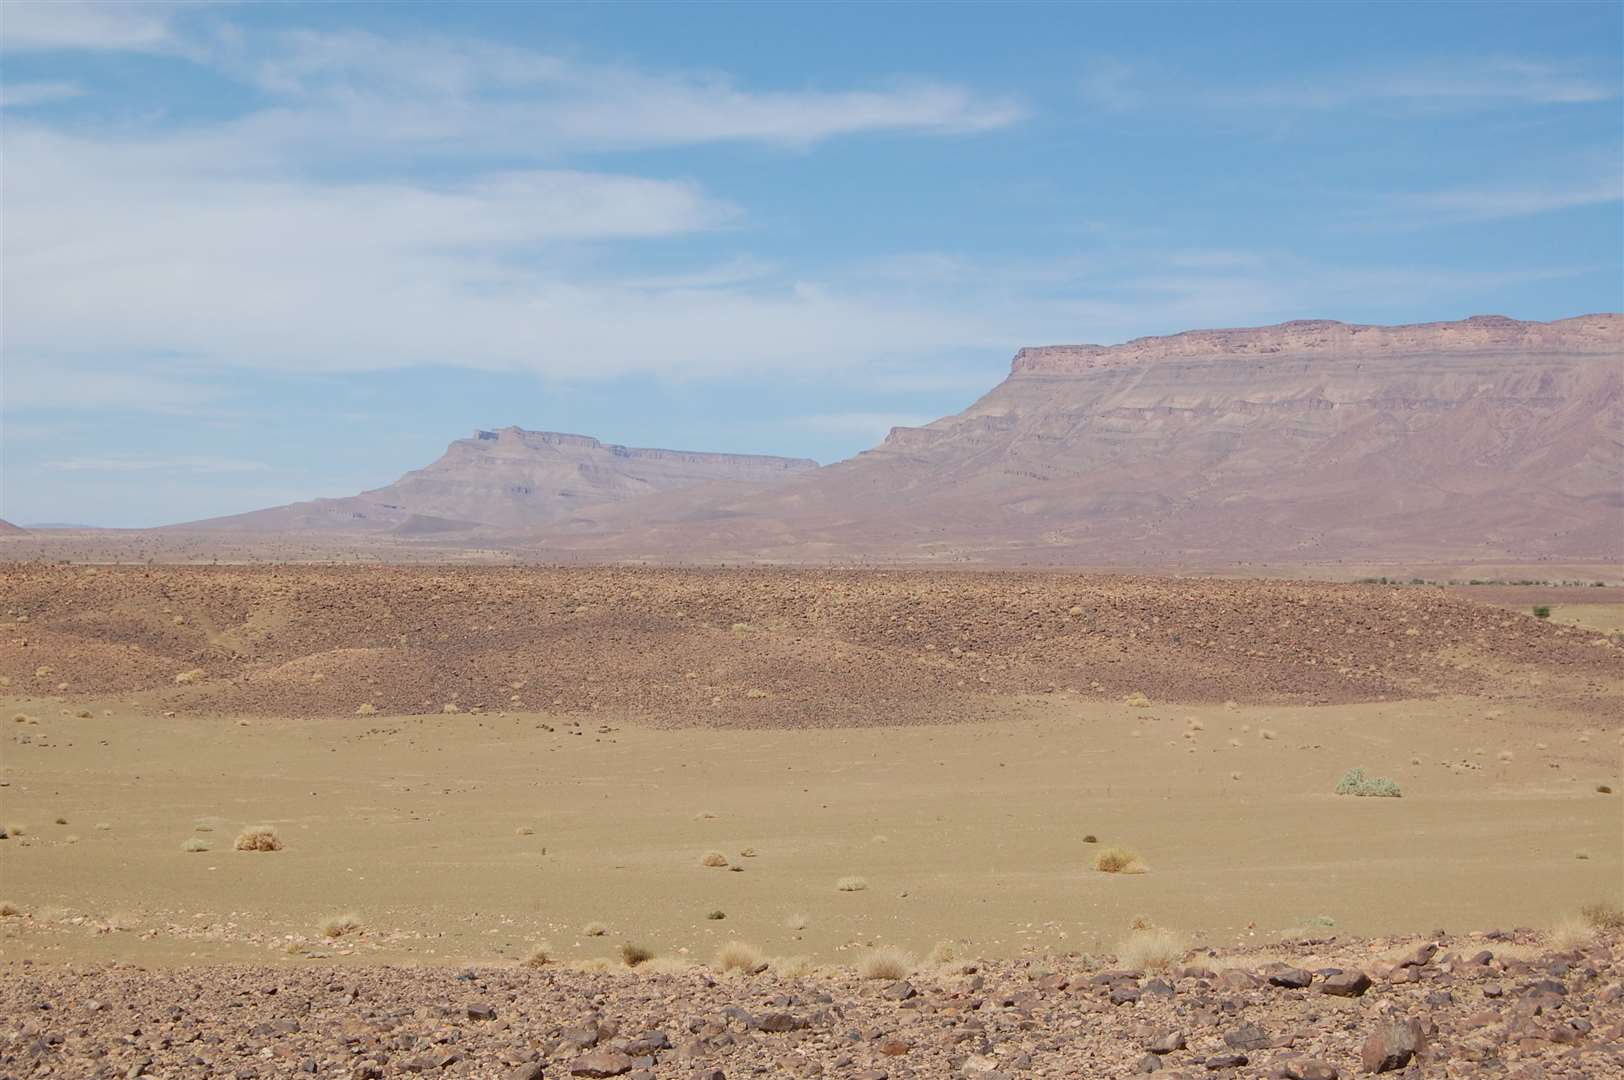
{"points": [[761, 784]]}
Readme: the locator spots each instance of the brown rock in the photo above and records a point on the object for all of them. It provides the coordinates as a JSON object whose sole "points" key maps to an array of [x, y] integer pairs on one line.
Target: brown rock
{"points": [[1167, 1042], [1307, 1069], [1346, 984], [1392, 1045], [601, 1063]]}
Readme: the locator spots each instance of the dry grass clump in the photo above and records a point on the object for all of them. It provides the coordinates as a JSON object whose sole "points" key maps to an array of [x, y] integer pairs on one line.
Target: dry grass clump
{"points": [[1572, 932], [1603, 915], [259, 838], [595, 929], [524, 830], [885, 962], [1355, 782], [797, 921], [1117, 860], [1155, 948], [340, 925], [851, 884], [1505, 755], [23, 718], [1267, 734], [740, 956], [540, 954], [187, 678], [632, 954], [366, 708], [714, 859], [9, 910], [1136, 700], [716, 915], [794, 967], [943, 952], [195, 845], [449, 709]]}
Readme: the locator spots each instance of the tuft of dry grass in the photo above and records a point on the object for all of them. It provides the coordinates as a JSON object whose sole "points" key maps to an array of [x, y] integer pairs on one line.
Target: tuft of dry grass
{"points": [[1569, 933], [1505, 755], [851, 884], [540, 954], [1117, 860], [885, 962], [1151, 949], [449, 709], [1136, 700], [632, 954], [9, 910], [740, 956], [797, 921], [258, 838], [943, 952], [195, 845], [339, 925], [595, 929], [366, 708], [1267, 734], [1603, 915], [793, 967], [187, 678], [713, 859], [524, 830]]}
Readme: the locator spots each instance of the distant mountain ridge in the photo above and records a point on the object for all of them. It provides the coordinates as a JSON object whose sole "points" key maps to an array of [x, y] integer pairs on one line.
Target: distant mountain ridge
{"points": [[516, 479]]}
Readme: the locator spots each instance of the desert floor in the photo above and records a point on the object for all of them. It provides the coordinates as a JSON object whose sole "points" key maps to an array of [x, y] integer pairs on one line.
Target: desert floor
{"points": [[467, 838]]}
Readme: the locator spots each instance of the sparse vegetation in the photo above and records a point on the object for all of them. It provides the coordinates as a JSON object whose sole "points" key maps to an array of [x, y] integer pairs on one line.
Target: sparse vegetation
{"points": [[714, 859], [1572, 932], [632, 954], [1542, 611], [716, 915], [740, 956], [341, 925], [540, 954], [195, 845], [1118, 860], [595, 929], [9, 910], [366, 708], [797, 921], [943, 952], [885, 962], [851, 884], [187, 678], [1604, 789], [259, 838], [1603, 915], [1152, 948], [1355, 782], [1090, 838]]}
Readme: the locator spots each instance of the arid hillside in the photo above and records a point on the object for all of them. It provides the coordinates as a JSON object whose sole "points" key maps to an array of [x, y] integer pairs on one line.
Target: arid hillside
{"points": [[1488, 441], [516, 479], [759, 648]]}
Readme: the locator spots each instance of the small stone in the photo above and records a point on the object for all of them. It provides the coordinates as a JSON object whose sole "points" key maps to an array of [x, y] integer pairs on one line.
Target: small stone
{"points": [[1346, 984], [1392, 1045], [779, 1022], [1420, 956], [532, 1071], [601, 1063], [1167, 1042], [1248, 1037], [894, 1047], [1148, 1064], [1307, 1069], [901, 990], [481, 1011], [1291, 978], [1226, 1061]]}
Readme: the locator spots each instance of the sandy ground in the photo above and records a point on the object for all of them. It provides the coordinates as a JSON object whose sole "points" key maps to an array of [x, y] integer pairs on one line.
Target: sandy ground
{"points": [[972, 832]]}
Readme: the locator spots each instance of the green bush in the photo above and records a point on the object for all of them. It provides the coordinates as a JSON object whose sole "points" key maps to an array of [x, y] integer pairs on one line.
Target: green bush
{"points": [[1355, 782]]}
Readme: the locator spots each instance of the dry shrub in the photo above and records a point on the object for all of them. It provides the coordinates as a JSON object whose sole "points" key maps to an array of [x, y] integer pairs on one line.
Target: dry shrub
{"points": [[524, 830], [1152, 949], [943, 952], [713, 859], [1117, 860], [449, 709], [740, 956], [1136, 700], [1603, 915], [23, 718], [195, 845], [1505, 755], [851, 884], [8, 910], [797, 921], [665, 965], [259, 838], [632, 954], [187, 678], [793, 967], [366, 708], [340, 925], [1570, 933], [1266, 734], [595, 929], [885, 962], [716, 915], [540, 954]]}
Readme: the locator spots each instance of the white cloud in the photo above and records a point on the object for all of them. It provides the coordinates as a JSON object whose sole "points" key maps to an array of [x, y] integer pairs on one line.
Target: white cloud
{"points": [[166, 464], [23, 95], [95, 25], [1488, 204]]}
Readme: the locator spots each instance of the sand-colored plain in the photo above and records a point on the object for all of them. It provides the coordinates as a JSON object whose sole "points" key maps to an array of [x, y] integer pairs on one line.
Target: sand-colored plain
{"points": [[969, 832]]}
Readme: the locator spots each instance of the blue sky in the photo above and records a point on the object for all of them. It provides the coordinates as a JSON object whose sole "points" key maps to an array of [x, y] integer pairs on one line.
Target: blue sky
{"points": [[256, 253]]}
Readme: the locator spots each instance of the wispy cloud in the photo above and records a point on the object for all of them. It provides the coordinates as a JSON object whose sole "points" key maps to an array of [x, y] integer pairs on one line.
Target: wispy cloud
{"points": [[1489, 204], [157, 464], [1444, 83], [25, 94], [94, 25]]}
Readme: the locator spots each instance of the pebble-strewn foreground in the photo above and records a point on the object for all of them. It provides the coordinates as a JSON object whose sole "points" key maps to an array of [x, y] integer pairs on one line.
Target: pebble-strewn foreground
{"points": [[1486, 1005]]}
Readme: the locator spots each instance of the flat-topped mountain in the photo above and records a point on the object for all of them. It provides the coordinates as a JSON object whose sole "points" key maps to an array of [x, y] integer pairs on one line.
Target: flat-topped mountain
{"points": [[518, 479], [1486, 440]]}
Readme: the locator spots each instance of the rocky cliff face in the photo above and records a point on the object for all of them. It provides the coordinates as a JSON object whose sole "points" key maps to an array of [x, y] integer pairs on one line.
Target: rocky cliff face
{"points": [[1483, 440], [518, 479]]}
